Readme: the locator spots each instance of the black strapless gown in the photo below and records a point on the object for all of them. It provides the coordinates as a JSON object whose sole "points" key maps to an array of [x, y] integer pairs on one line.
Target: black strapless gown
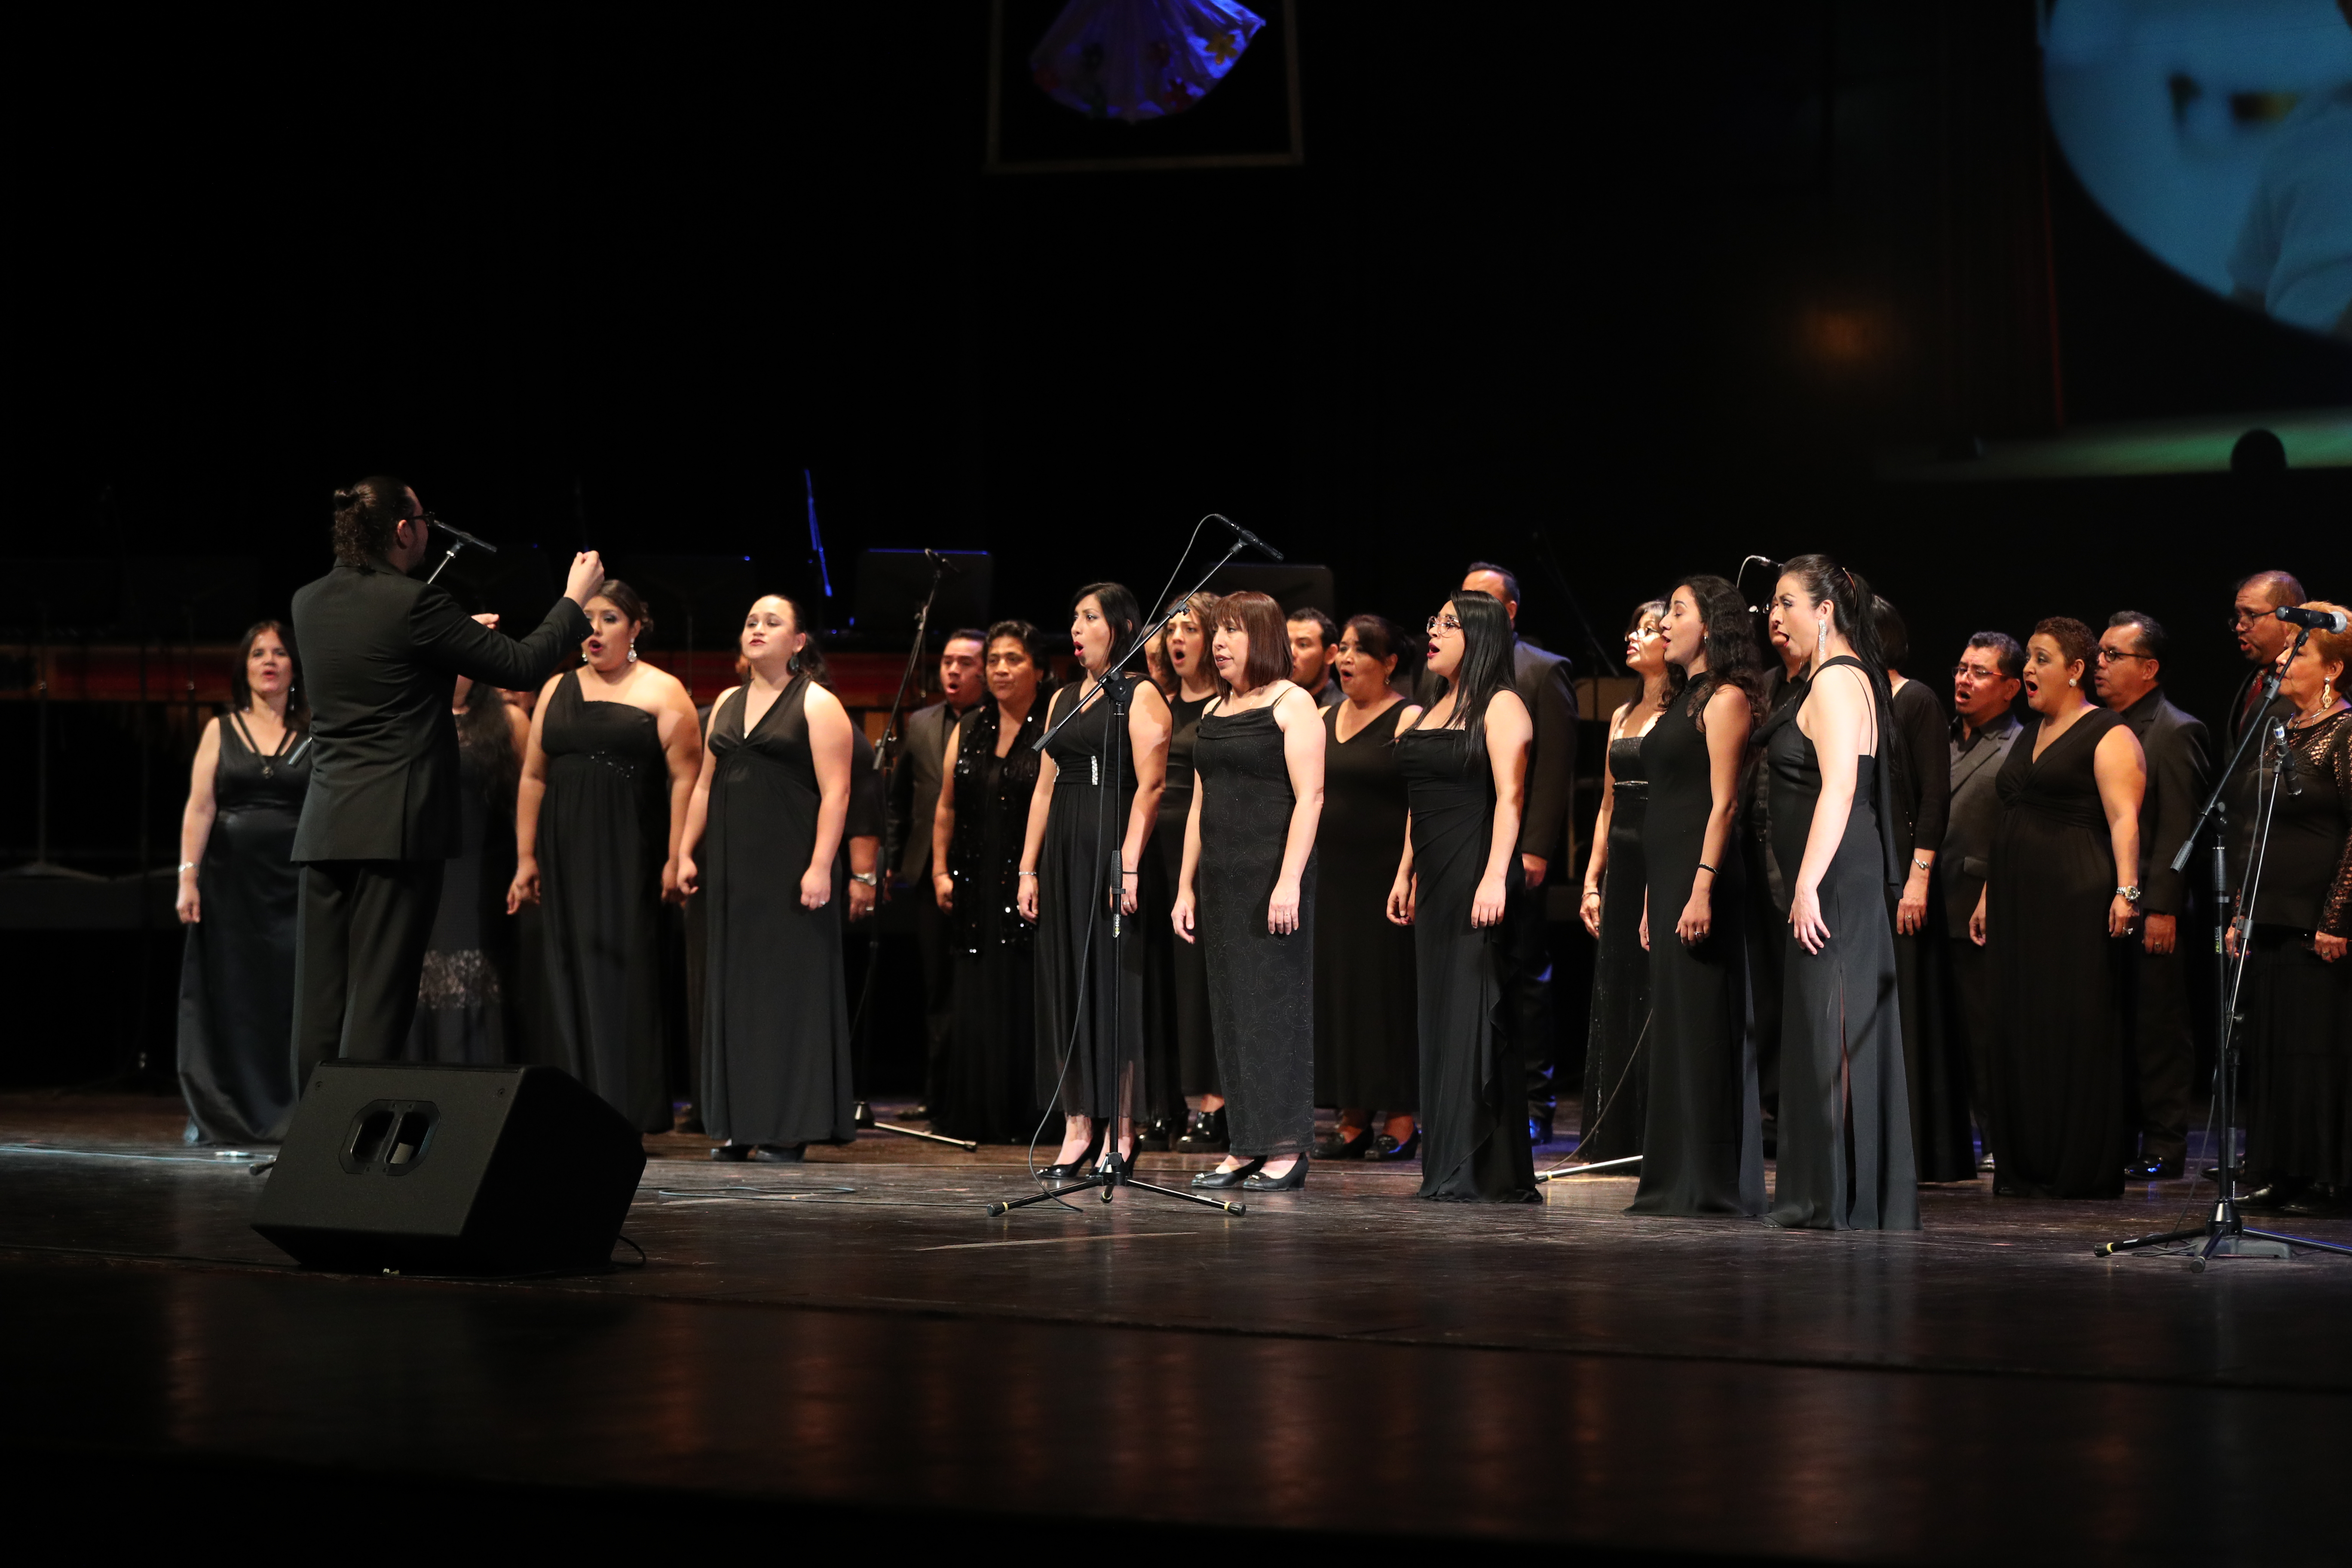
{"points": [[775, 1010], [1617, 1057], [1367, 1054], [1084, 950], [1261, 985], [1474, 1124], [1702, 1149], [604, 832], [237, 968], [1844, 1159]]}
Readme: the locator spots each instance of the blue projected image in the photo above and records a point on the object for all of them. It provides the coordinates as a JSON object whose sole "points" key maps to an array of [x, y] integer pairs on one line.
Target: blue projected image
{"points": [[2218, 134]]}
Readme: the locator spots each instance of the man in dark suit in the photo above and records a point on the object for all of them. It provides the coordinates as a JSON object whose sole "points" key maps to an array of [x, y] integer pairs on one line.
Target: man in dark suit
{"points": [[1985, 685], [2131, 655], [2262, 638], [381, 655], [1545, 682], [1313, 642], [917, 775]]}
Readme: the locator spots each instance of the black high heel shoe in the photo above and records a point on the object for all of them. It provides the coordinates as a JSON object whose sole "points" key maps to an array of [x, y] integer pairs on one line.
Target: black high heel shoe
{"points": [[1078, 1170], [1290, 1181], [1157, 1137], [1206, 1135], [1360, 1147], [1393, 1152], [1237, 1176]]}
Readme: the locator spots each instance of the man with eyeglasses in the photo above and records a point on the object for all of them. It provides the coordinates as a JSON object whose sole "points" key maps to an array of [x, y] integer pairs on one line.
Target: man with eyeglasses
{"points": [[2262, 638], [2179, 767], [1985, 685]]}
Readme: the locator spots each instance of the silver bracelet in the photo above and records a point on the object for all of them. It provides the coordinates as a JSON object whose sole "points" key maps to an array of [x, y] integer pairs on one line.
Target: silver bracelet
{"points": [[1027, 873], [188, 865]]}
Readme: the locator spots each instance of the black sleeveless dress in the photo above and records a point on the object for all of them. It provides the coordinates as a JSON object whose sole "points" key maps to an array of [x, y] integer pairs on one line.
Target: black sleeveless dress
{"points": [[2056, 1063], [1474, 1124], [236, 969], [1085, 949], [1180, 980], [461, 996], [1261, 985], [987, 1089], [1844, 1159], [1367, 1050], [1702, 1151], [604, 832], [775, 1013], [1618, 1048]]}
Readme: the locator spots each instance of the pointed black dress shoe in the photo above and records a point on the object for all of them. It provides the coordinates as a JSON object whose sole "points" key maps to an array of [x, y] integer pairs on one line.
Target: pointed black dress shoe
{"points": [[1205, 1135], [2153, 1169], [1391, 1152], [1232, 1178], [1156, 1138], [731, 1152], [780, 1153], [1290, 1181], [1360, 1147]]}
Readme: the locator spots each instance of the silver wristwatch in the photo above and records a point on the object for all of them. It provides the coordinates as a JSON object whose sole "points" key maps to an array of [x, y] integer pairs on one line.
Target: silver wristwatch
{"points": [[2129, 895], [870, 878]]}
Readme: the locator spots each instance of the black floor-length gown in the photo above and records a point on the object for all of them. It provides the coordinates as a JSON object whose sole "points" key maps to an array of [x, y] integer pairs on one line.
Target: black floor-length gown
{"points": [[1934, 1061], [1077, 923], [1179, 978], [1261, 985], [775, 1010], [461, 997], [2057, 1067], [1366, 1053], [1702, 1151], [2298, 1028], [1617, 1057], [1473, 1125], [987, 1090], [603, 833], [237, 968], [1844, 1159]]}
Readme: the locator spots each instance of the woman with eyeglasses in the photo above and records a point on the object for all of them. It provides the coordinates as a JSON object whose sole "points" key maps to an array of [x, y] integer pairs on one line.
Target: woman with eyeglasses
{"points": [[1618, 1046], [2060, 897], [2298, 977], [1464, 762], [1702, 1149]]}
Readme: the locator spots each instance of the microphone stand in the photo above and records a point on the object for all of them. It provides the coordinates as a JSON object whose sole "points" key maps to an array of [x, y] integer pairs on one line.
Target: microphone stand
{"points": [[1109, 1176], [2225, 1233], [885, 762]]}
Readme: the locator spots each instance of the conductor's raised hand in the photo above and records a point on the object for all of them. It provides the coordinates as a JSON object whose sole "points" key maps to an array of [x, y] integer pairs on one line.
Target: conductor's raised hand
{"points": [[587, 577]]}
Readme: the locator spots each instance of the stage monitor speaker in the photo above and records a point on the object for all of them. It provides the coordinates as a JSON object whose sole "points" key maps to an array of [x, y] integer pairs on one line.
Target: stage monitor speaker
{"points": [[425, 1169]]}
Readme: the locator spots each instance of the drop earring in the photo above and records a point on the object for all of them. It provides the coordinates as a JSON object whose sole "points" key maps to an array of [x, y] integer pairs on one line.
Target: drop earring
{"points": [[633, 650]]}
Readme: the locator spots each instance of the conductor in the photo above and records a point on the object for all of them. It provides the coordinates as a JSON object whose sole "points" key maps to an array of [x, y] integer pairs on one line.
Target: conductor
{"points": [[381, 655]]}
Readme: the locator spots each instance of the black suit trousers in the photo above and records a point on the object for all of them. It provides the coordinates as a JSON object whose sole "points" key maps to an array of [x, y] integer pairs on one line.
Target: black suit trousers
{"points": [[359, 949], [2163, 1053], [1972, 979], [1526, 951]]}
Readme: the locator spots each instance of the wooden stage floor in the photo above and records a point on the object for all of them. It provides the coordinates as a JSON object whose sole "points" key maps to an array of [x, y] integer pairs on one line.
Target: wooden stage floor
{"points": [[852, 1349]]}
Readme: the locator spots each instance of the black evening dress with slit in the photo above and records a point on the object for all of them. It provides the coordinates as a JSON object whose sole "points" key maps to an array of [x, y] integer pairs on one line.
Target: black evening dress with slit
{"points": [[1935, 1065], [603, 833], [1618, 1048], [2298, 1028], [1702, 1151], [988, 1089], [1474, 1124], [2057, 1065], [1179, 1003], [1845, 1157], [1261, 985], [775, 1011], [236, 966], [461, 996], [1366, 1046], [1084, 950]]}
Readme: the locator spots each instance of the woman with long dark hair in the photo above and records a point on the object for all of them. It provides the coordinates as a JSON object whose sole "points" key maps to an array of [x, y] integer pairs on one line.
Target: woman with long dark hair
{"points": [[764, 846], [987, 1091], [1701, 1147], [1249, 871], [1464, 762], [239, 892], [1367, 1050], [1097, 798], [461, 998], [1179, 979], [1617, 1050], [599, 812], [1845, 1117], [2060, 897]]}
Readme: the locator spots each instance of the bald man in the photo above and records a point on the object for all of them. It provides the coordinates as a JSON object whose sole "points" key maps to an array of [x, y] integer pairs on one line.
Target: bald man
{"points": [[2262, 638]]}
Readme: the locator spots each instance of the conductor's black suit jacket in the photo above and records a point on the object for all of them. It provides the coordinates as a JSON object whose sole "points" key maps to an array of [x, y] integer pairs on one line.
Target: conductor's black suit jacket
{"points": [[381, 653], [1545, 682]]}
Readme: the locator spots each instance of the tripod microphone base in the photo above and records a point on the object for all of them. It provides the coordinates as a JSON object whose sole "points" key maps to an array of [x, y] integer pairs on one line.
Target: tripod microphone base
{"points": [[2225, 1235], [1106, 1180]]}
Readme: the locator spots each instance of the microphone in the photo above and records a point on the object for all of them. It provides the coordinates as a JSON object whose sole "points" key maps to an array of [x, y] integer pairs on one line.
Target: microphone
{"points": [[1246, 537], [2286, 774], [1741, 576], [462, 537], [2318, 620], [943, 563]]}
